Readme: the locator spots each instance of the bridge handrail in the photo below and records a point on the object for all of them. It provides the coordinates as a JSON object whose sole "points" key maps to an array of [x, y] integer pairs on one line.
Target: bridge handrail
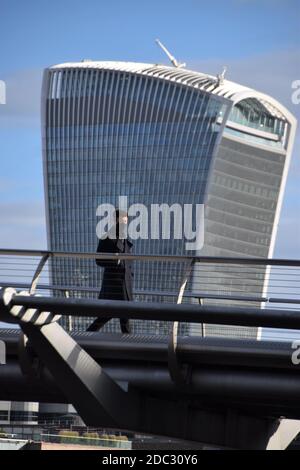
{"points": [[149, 257], [192, 294]]}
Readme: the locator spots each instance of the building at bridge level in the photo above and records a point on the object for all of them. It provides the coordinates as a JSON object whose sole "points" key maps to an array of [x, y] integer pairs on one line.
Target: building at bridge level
{"points": [[159, 134]]}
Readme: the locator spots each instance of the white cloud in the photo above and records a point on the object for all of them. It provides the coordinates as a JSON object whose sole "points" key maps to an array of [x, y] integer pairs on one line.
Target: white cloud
{"points": [[23, 94]]}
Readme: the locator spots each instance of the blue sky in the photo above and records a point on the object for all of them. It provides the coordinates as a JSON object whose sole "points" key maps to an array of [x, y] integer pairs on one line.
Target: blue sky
{"points": [[36, 33], [258, 40]]}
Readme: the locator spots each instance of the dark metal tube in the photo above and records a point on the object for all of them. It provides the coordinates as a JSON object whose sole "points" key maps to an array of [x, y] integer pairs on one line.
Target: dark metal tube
{"points": [[241, 316], [190, 350], [277, 390], [176, 258]]}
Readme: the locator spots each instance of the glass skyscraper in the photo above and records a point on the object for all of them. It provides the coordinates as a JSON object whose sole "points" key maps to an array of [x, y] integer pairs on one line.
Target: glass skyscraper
{"points": [[162, 135]]}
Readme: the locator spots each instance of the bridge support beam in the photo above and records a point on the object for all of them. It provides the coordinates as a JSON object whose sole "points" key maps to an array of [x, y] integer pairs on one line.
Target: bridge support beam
{"points": [[95, 395], [219, 427], [285, 434], [184, 411]]}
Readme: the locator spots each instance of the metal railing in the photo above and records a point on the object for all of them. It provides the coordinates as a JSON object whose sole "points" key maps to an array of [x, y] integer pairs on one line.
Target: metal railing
{"points": [[223, 281]]}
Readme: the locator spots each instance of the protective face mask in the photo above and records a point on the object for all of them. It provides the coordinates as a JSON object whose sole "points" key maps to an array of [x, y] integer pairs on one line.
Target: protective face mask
{"points": [[122, 230]]}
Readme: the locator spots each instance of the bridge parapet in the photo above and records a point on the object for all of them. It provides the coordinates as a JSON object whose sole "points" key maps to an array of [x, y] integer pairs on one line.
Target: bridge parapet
{"points": [[208, 281], [131, 402]]}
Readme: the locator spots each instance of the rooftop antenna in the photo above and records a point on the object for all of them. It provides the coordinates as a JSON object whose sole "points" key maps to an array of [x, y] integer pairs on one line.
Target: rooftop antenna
{"points": [[172, 58], [221, 76]]}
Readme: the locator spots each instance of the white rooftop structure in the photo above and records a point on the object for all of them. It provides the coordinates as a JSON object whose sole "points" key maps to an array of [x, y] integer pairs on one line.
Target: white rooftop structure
{"points": [[225, 88]]}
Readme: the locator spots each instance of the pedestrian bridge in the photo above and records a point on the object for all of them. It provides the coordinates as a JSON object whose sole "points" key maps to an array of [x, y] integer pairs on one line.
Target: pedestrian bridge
{"points": [[211, 374]]}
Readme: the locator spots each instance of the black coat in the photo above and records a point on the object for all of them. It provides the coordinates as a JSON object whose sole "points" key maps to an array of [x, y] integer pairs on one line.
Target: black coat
{"points": [[118, 274]]}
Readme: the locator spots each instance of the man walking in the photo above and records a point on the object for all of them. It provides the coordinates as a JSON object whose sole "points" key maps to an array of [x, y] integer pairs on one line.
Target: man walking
{"points": [[117, 276]]}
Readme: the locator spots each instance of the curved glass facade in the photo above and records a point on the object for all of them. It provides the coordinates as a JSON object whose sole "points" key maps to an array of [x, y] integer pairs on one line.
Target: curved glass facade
{"points": [[111, 133], [251, 113]]}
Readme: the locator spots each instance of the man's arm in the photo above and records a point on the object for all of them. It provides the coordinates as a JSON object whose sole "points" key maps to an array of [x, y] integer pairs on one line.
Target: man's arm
{"points": [[107, 246]]}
